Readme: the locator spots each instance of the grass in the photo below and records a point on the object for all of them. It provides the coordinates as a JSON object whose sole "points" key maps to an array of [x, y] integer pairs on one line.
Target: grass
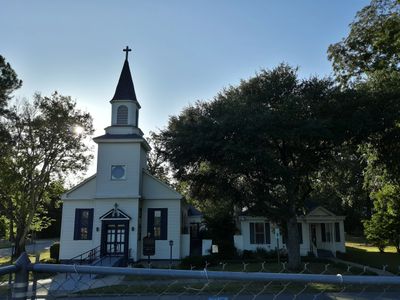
{"points": [[5, 244], [358, 251], [44, 255], [157, 285]]}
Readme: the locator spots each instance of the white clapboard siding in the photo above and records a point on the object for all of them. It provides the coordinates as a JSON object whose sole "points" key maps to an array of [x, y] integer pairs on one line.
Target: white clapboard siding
{"points": [[174, 227]]}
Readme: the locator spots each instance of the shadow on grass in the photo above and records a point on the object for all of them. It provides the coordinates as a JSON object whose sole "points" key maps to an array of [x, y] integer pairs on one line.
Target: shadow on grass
{"points": [[372, 259]]}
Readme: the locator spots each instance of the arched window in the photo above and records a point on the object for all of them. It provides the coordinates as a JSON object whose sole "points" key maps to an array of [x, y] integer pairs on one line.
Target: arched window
{"points": [[122, 115]]}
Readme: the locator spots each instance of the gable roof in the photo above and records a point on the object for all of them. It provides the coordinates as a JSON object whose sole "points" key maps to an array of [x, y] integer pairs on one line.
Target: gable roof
{"points": [[193, 211], [154, 188], [320, 211], [115, 214], [86, 187]]}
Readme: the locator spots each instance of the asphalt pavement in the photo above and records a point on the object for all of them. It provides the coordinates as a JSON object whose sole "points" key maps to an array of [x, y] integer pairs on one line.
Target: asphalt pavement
{"points": [[36, 247]]}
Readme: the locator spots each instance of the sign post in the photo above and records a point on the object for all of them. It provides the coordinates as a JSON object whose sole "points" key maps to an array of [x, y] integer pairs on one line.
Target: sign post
{"points": [[171, 243], [149, 247]]}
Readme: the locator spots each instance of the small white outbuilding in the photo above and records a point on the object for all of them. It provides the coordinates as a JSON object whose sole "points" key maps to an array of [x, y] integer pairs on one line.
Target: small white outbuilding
{"points": [[321, 233]]}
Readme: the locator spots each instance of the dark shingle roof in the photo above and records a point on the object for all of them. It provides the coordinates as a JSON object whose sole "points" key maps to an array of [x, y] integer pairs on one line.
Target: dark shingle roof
{"points": [[119, 136], [125, 89], [192, 211]]}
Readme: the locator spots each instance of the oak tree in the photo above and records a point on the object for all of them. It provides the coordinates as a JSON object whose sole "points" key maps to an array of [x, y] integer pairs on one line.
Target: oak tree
{"points": [[48, 142]]}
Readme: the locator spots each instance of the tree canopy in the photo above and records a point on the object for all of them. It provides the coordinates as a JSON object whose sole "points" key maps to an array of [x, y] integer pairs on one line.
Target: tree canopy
{"points": [[48, 142], [261, 142], [372, 45], [9, 82]]}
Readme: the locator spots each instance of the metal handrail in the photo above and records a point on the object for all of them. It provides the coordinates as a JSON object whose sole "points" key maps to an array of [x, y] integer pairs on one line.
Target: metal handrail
{"points": [[91, 255]]}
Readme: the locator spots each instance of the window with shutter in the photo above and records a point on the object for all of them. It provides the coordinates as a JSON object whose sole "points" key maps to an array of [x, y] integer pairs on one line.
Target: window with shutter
{"points": [[83, 224], [157, 223], [260, 233]]}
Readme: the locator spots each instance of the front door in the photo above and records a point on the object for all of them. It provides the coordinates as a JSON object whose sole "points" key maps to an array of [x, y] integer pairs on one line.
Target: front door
{"points": [[314, 235], [114, 238], [195, 239]]}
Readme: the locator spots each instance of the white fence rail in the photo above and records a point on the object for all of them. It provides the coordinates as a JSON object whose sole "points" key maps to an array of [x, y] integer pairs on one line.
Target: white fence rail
{"points": [[46, 281]]}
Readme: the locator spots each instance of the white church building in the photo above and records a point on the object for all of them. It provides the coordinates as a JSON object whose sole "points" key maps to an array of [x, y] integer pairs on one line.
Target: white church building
{"points": [[112, 211]]}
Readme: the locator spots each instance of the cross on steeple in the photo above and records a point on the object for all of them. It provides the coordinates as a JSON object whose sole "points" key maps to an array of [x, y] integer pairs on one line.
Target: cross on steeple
{"points": [[127, 50]]}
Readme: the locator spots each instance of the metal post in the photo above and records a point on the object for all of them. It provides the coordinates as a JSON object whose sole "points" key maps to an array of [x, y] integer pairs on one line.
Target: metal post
{"points": [[20, 286], [171, 243], [34, 281], [10, 276], [278, 252]]}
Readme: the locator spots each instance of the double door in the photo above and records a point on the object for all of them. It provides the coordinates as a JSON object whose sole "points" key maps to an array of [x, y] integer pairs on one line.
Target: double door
{"points": [[114, 238]]}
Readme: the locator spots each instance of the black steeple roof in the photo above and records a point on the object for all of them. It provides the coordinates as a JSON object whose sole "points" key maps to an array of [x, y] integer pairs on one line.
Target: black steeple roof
{"points": [[125, 89]]}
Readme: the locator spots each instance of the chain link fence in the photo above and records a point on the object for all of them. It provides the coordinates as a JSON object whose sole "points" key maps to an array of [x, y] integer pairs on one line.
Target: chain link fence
{"points": [[223, 281]]}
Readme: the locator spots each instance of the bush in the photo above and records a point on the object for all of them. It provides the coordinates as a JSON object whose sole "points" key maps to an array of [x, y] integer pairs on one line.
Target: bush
{"points": [[263, 254], [49, 261], [248, 254], [55, 251]]}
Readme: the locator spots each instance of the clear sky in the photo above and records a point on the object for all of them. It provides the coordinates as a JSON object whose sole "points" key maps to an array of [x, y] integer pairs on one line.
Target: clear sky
{"points": [[183, 51]]}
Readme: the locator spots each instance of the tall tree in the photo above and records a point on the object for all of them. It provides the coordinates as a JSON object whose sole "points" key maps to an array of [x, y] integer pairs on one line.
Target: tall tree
{"points": [[9, 82], [373, 44], [49, 141], [339, 186], [383, 228], [155, 162], [266, 138]]}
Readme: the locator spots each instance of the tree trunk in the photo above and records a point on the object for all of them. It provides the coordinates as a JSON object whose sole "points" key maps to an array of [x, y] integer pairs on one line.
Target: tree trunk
{"points": [[20, 240], [11, 230], [293, 245]]}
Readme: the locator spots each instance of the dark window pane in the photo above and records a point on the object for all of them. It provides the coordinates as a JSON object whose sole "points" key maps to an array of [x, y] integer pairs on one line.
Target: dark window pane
{"points": [[157, 223], [323, 232], [257, 233], [267, 234], [83, 224], [300, 229], [337, 232], [252, 237]]}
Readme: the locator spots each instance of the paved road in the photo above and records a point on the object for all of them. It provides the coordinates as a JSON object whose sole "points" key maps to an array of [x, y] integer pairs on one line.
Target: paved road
{"points": [[36, 247]]}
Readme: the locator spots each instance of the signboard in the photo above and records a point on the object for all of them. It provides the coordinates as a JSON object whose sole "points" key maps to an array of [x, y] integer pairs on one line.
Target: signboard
{"points": [[149, 246], [214, 249]]}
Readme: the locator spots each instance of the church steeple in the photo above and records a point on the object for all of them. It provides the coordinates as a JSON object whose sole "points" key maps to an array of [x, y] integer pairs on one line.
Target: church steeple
{"points": [[124, 104], [125, 89]]}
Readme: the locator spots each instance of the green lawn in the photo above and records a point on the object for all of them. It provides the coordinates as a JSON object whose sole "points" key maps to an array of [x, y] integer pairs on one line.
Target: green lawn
{"points": [[359, 252], [44, 255], [4, 244]]}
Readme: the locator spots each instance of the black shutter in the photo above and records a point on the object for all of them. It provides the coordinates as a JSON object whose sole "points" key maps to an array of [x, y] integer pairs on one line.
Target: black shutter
{"points": [[150, 221], [284, 235], [267, 234], [323, 233], [337, 232], [164, 224], [77, 224], [90, 224], [300, 229], [252, 233]]}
